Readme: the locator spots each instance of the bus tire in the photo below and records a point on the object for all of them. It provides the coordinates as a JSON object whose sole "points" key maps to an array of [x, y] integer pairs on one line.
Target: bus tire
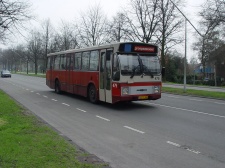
{"points": [[92, 94], [57, 87]]}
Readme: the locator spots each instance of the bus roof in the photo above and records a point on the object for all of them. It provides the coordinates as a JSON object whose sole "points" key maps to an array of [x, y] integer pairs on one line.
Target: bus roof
{"points": [[116, 45]]}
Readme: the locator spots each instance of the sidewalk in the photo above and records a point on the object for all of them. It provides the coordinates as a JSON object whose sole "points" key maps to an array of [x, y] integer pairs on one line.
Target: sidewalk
{"points": [[206, 88]]}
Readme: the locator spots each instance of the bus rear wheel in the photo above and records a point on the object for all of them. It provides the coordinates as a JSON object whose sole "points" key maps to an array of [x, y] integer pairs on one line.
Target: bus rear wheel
{"points": [[92, 94], [57, 87]]}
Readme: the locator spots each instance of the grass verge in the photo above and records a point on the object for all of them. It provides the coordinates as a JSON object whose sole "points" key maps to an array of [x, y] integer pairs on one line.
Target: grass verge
{"points": [[209, 94], [32, 74], [28, 142]]}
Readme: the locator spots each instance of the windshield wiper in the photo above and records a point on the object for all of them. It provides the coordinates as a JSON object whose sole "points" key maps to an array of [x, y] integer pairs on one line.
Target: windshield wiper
{"points": [[140, 65]]}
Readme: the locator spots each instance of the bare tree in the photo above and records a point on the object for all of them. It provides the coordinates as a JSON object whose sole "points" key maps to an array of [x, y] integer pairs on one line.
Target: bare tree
{"points": [[67, 36], [92, 27], [170, 26], [117, 29], [143, 19], [13, 14], [47, 34], [212, 15], [35, 47]]}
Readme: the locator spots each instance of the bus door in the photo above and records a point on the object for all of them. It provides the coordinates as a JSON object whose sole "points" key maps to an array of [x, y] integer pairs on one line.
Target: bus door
{"points": [[69, 72], [50, 81], [105, 80]]}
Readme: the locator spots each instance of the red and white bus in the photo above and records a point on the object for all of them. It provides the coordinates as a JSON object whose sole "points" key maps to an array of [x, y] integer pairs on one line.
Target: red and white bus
{"points": [[123, 71]]}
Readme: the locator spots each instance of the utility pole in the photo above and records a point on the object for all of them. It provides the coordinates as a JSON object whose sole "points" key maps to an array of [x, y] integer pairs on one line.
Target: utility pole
{"points": [[185, 55]]}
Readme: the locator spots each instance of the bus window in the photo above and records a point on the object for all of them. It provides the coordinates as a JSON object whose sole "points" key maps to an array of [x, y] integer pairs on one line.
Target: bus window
{"points": [[77, 61], [85, 60], [49, 63], [72, 62], [57, 62], [94, 58], [68, 61], [62, 62]]}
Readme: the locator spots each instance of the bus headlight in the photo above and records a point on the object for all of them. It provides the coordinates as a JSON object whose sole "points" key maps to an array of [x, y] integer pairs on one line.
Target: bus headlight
{"points": [[156, 89], [125, 91]]}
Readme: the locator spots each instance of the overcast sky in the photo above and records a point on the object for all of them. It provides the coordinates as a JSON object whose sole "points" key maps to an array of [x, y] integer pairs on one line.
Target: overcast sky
{"points": [[58, 10]]}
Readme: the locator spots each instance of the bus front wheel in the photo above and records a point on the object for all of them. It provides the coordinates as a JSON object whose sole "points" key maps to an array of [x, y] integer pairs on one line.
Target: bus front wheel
{"points": [[57, 87], [92, 94]]}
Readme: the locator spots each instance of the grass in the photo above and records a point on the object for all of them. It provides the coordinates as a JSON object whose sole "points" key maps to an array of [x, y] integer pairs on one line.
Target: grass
{"points": [[209, 94], [32, 74], [27, 142]]}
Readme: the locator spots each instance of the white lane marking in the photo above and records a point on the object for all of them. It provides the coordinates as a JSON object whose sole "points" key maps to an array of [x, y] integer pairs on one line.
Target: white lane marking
{"points": [[194, 151], [32, 91], [193, 111], [196, 100], [133, 129], [66, 104], [54, 100], [38, 93], [174, 144], [102, 118], [183, 147], [45, 96], [219, 103], [81, 110], [27, 89]]}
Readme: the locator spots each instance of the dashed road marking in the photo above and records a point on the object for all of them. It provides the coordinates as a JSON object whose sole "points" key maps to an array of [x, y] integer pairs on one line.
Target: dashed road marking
{"points": [[196, 100], [173, 143], [183, 147], [177, 108], [38, 94], [102, 118], [219, 103], [133, 129], [81, 110], [54, 100], [66, 104], [45, 96]]}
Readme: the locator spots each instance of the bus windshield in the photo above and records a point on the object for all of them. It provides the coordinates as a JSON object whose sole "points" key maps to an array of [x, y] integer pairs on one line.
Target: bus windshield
{"points": [[130, 65]]}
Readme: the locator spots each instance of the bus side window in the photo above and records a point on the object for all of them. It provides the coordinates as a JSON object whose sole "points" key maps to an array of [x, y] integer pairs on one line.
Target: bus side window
{"points": [[57, 62], [68, 61], [62, 62], [94, 59], [77, 61], [72, 62], [85, 60], [49, 64]]}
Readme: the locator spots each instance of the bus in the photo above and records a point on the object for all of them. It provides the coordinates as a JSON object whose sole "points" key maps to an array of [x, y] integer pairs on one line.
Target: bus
{"points": [[115, 72]]}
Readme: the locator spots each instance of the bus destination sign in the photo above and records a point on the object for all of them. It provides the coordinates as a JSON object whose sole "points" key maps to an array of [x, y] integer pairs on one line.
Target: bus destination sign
{"points": [[144, 49]]}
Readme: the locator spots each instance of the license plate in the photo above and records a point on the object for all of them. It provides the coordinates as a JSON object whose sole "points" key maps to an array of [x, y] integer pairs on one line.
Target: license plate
{"points": [[142, 97]]}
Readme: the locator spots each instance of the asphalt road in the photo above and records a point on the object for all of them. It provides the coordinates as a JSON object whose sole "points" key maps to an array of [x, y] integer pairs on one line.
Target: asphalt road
{"points": [[173, 132]]}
